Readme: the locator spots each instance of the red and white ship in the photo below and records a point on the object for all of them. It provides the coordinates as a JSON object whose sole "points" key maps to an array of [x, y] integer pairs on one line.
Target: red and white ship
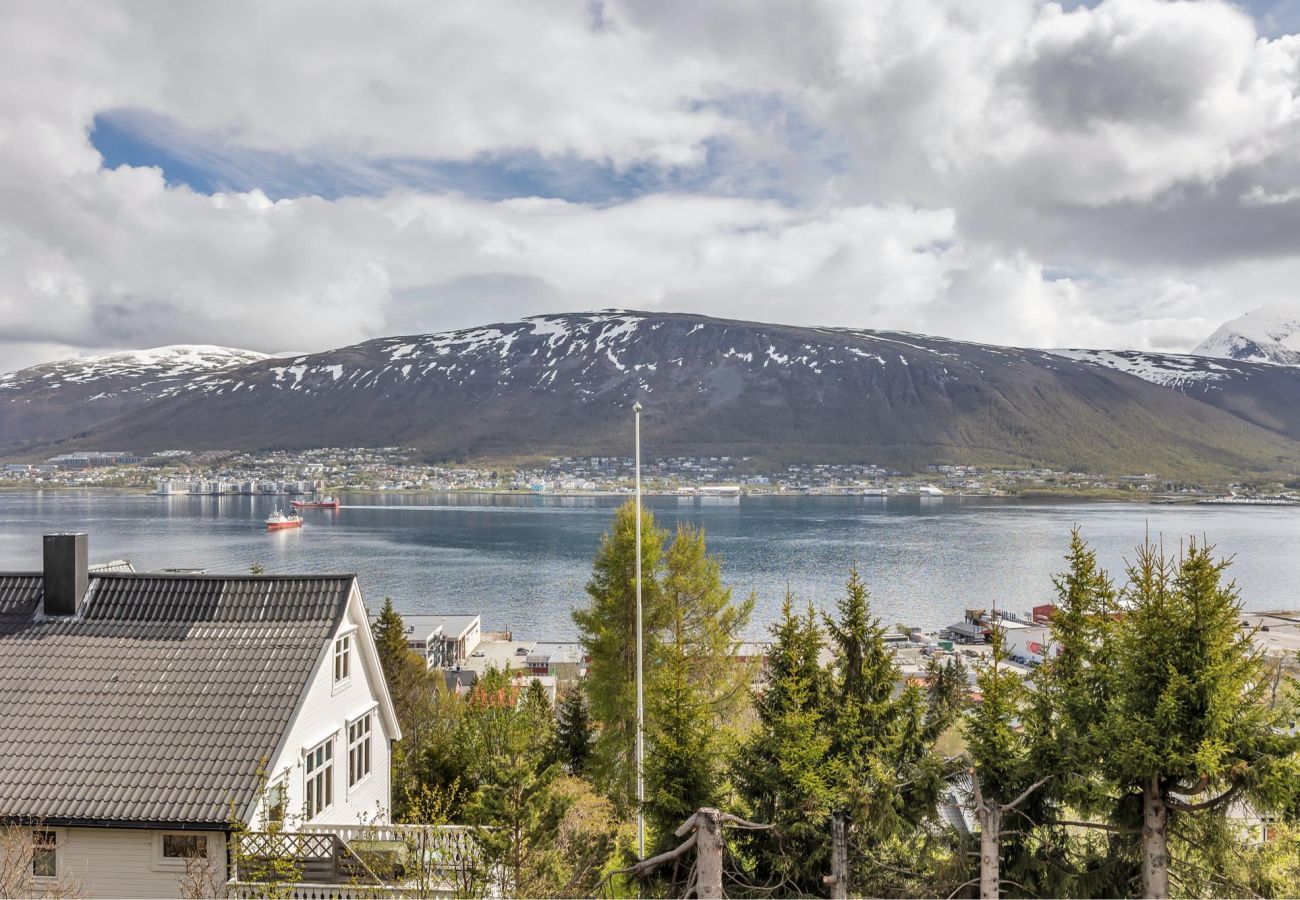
{"points": [[277, 521], [323, 503]]}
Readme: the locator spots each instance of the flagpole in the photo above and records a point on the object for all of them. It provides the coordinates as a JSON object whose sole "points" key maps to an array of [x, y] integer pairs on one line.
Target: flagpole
{"points": [[640, 694]]}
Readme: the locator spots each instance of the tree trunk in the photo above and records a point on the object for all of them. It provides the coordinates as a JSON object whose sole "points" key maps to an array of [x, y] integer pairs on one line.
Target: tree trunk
{"points": [[839, 880], [708, 849], [1155, 842], [990, 821]]}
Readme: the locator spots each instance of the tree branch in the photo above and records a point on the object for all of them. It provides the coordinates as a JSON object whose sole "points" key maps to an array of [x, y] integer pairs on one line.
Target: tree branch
{"points": [[1027, 791], [1117, 829], [1179, 805], [962, 887], [1195, 787], [654, 862], [729, 819]]}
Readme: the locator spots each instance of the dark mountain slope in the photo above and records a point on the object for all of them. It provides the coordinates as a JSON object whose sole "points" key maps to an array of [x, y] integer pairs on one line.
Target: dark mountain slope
{"points": [[55, 400], [1265, 394], [565, 384]]}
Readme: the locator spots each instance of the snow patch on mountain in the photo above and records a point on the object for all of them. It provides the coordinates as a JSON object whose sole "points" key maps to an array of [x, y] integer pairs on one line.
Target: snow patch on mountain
{"points": [[1167, 369], [1266, 335], [135, 368]]}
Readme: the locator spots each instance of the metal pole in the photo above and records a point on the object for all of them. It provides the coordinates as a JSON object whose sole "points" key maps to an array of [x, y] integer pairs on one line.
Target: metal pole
{"points": [[640, 691]]}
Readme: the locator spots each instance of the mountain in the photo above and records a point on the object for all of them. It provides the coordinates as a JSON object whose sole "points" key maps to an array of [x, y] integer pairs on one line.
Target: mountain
{"points": [[1262, 335], [55, 400], [564, 384], [1263, 394]]}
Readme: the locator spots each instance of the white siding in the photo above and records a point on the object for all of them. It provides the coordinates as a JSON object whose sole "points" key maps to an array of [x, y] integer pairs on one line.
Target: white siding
{"points": [[121, 862], [326, 711]]}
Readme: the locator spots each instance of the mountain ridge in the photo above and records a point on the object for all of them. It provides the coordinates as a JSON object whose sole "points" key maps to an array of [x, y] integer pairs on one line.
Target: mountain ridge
{"points": [[564, 384], [53, 400]]}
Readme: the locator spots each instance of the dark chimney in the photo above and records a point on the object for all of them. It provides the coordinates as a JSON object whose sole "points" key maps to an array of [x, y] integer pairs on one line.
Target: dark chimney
{"points": [[66, 573]]}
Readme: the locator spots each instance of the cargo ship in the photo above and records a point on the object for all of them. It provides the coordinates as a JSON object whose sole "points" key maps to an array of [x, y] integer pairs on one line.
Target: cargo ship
{"points": [[278, 521], [324, 503]]}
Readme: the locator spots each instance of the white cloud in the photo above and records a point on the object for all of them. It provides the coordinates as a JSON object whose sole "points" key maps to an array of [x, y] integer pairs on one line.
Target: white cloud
{"points": [[941, 160]]}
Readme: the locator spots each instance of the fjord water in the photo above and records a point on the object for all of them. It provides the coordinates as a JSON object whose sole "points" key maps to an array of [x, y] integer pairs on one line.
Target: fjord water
{"points": [[522, 561]]}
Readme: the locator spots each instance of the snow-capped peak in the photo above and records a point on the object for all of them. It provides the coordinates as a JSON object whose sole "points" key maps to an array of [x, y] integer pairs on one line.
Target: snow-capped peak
{"points": [[1267, 335], [153, 364]]}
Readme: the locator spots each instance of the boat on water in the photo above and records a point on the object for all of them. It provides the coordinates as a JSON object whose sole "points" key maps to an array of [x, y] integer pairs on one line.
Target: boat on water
{"points": [[278, 521], [323, 503]]}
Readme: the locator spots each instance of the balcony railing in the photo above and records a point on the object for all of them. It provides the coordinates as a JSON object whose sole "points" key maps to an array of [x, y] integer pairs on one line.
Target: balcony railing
{"points": [[326, 862]]}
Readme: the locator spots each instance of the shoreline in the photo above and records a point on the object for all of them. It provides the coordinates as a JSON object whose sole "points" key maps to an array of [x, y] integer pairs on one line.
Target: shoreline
{"points": [[1064, 495]]}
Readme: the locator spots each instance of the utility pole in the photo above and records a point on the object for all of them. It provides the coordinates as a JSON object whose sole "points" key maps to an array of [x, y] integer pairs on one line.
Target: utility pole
{"points": [[640, 686]]}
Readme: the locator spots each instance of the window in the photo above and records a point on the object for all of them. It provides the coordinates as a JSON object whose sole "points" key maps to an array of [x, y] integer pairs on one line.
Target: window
{"points": [[173, 851], [359, 749], [320, 779], [44, 854], [343, 658], [276, 801], [185, 846]]}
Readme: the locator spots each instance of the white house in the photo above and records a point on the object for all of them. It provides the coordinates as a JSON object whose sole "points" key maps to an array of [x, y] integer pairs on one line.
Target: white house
{"points": [[144, 718], [443, 641]]}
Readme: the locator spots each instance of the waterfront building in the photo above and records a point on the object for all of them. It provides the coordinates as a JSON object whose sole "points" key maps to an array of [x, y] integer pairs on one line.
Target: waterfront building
{"points": [[444, 642]]}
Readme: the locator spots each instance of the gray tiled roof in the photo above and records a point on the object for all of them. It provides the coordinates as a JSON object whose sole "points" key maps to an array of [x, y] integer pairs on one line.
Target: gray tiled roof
{"points": [[161, 700]]}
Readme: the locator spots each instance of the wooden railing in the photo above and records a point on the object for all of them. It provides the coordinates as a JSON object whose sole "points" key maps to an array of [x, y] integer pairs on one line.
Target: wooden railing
{"points": [[325, 862]]}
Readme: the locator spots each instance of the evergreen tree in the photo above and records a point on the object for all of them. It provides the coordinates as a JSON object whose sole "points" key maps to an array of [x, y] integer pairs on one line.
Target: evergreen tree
{"points": [[1075, 684], [1062, 719], [863, 710], [607, 630], [573, 734], [515, 800], [696, 686], [780, 771], [1001, 773], [948, 686], [390, 642], [1189, 726], [413, 692], [882, 765]]}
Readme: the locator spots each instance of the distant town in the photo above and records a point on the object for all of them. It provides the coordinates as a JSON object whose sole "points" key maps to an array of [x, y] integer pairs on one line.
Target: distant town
{"points": [[183, 472]]}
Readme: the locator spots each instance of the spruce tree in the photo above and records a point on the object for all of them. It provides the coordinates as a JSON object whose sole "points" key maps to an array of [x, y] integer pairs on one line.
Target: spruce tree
{"points": [[878, 736], [607, 631], [696, 685], [390, 642], [1062, 718], [781, 769], [947, 688], [413, 693], [1189, 727], [515, 800], [1001, 773], [883, 767], [573, 733]]}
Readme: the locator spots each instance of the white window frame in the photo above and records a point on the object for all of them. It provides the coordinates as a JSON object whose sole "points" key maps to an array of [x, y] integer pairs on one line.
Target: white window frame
{"points": [[59, 836], [281, 785], [162, 863], [363, 743], [341, 652], [318, 773]]}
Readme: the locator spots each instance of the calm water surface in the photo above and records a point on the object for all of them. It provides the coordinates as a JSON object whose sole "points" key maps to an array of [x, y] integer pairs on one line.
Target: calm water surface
{"points": [[522, 561]]}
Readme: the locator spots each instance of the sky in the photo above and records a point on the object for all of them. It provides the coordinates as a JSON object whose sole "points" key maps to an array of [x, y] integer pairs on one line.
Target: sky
{"points": [[301, 176]]}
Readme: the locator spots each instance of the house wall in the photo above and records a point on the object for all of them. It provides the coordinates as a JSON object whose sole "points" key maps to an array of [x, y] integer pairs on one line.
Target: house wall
{"points": [[326, 711], [1031, 642], [125, 862]]}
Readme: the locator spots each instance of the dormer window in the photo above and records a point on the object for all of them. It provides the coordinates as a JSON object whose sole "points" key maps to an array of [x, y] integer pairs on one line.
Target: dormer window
{"points": [[342, 658]]}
